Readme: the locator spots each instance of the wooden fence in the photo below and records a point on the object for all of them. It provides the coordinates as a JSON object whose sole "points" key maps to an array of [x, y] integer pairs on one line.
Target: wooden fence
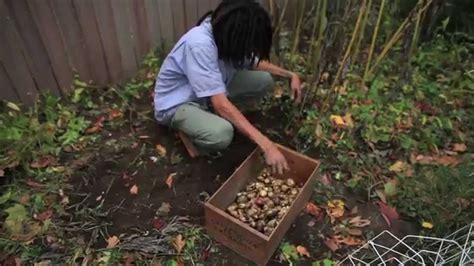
{"points": [[44, 42]]}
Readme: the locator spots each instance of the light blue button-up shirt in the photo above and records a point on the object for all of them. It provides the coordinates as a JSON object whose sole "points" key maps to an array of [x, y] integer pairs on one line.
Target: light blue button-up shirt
{"points": [[191, 72]]}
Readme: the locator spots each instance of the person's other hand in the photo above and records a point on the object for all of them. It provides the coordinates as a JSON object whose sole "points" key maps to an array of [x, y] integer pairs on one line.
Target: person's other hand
{"points": [[275, 159], [296, 93]]}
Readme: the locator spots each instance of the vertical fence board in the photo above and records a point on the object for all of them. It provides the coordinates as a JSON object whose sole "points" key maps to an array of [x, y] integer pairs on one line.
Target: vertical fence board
{"points": [[138, 8], [51, 37], [95, 51], [13, 59], [73, 37], [153, 20], [177, 6], [34, 50], [166, 21], [108, 36], [191, 13], [125, 38], [7, 92], [134, 31]]}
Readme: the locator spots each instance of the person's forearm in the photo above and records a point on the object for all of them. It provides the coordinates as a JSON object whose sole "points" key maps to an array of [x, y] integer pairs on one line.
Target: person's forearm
{"points": [[227, 110], [274, 69]]}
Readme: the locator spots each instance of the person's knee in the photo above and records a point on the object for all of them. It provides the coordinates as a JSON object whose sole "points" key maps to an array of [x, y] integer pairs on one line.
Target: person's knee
{"points": [[220, 136]]}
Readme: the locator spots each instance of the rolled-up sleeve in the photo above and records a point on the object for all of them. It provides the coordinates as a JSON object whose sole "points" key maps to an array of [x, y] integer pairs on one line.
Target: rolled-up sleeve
{"points": [[202, 71]]}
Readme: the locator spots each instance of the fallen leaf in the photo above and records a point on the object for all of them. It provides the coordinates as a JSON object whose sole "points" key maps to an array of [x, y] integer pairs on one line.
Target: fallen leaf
{"points": [[170, 179], [134, 190], [312, 209], [302, 251], [45, 215], [112, 241], [335, 209], [354, 232], [390, 213], [390, 188], [43, 162], [13, 106], [161, 150], [459, 147], [447, 160], [337, 121], [359, 222], [332, 244], [348, 240], [326, 179], [97, 125], [115, 114], [164, 209], [144, 137], [179, 243], [2, 173], [278, 92], [427, 225], [397, 167], [157, 223], [129, 259]]}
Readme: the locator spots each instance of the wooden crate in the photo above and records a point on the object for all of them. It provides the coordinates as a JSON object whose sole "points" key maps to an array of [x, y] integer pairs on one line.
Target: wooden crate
{"points": [[239, 236]]}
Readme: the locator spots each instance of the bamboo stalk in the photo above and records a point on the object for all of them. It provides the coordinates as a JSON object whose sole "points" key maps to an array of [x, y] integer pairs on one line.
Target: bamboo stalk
{"points": [[351, 43], [360, 37], [313, 34], [297, 31], [374, 38], [280, 20], [395, 37], [416, 34]]}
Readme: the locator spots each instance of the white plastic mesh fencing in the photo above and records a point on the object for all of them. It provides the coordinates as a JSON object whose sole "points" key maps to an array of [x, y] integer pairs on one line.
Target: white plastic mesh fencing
{"points": [[455, 249]]}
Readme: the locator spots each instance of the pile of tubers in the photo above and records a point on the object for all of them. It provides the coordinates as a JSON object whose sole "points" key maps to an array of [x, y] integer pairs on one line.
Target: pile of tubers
{"points": [[264, 202]]}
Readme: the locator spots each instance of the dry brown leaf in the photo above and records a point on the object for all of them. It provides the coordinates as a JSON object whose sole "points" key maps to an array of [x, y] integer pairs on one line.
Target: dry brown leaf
{"points": [[161, 150], [278, 92], [45, 215], [459, 147], [179, 243], [43, 162], [335, 209], [354, 231], [302, 251], [331, 243], [115, 114], [134, 190], [348, 240], [312, 209], [112, 241], [170, 179], [447, 160], [359, 222], [397, 167]]}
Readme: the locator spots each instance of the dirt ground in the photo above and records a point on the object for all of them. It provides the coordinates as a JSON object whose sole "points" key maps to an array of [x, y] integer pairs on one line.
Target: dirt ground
{"points": [[127, 157]]}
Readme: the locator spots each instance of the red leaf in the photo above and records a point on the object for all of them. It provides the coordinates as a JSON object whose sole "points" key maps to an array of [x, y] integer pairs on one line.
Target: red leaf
{"points": [[45, 215], [158, 224], [43, 162], [129, 260], [390, 212], [314, 210], [97, 125], [114, 114], [170, 179]]}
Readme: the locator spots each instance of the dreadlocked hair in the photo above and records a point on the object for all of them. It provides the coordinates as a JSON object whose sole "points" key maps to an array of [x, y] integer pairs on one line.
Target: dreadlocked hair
{"points": [[242, 31]]}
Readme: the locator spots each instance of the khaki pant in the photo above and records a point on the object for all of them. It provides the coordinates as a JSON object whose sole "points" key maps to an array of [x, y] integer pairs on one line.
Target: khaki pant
{"points": [[210, 132]]}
